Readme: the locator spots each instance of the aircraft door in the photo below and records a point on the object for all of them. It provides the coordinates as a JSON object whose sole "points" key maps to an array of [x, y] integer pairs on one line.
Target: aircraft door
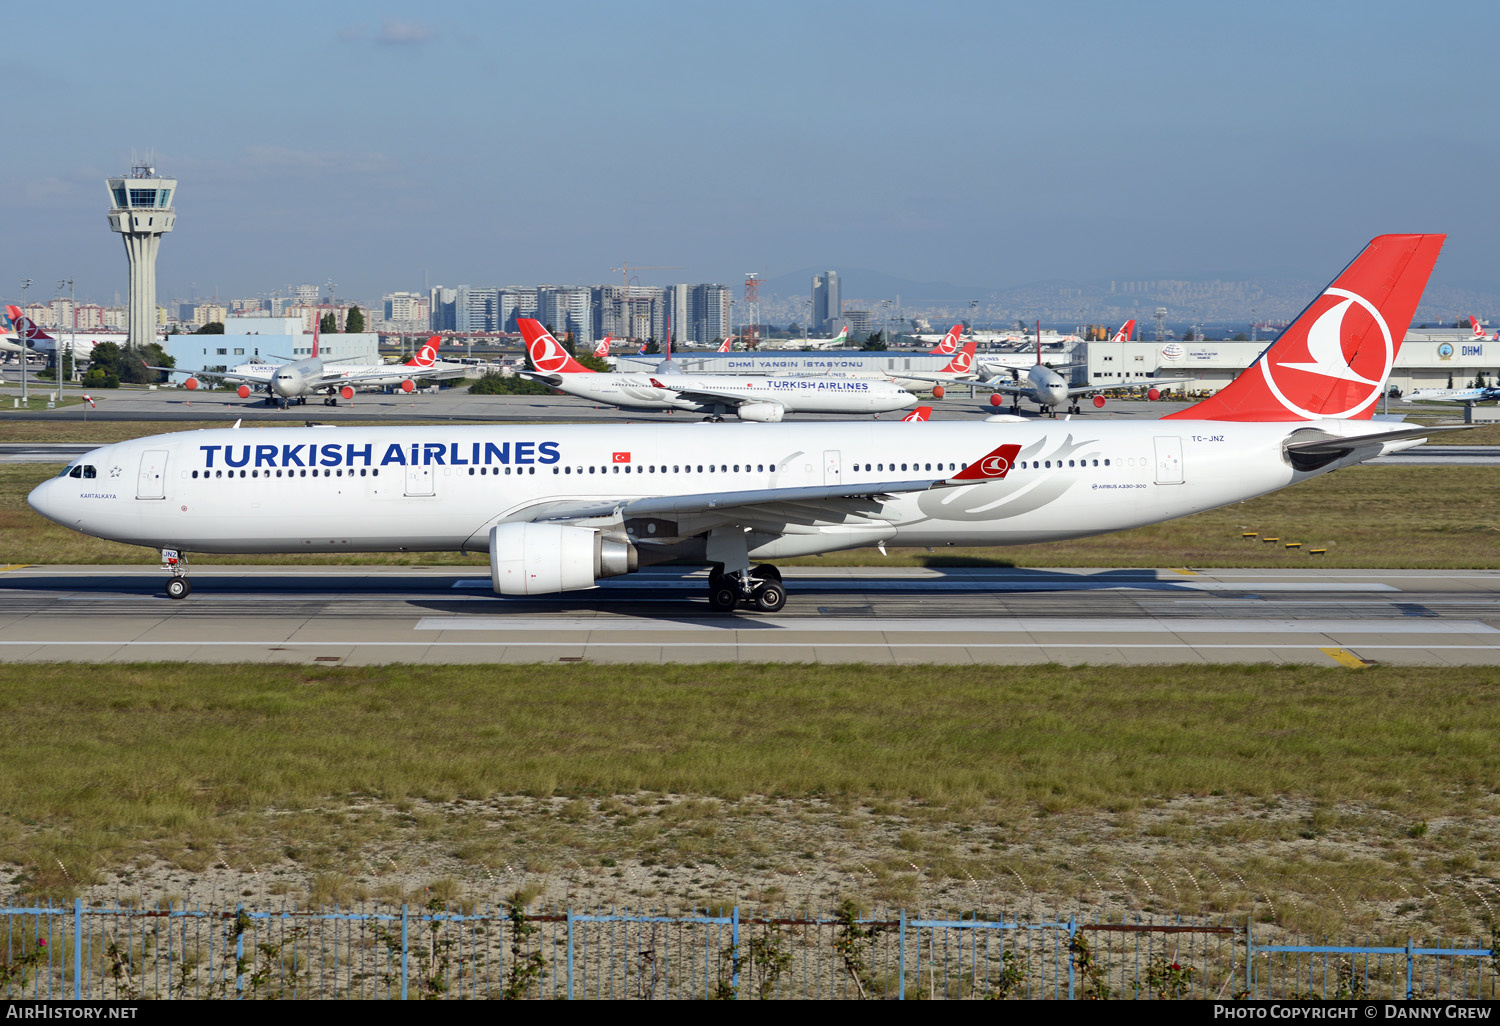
{"points": [[833, 463], [152, 482], [419, 481], [1168, 460]]}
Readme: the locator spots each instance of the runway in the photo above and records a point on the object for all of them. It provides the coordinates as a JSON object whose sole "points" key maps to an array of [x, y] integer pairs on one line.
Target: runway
{"points": [[999, 616]]}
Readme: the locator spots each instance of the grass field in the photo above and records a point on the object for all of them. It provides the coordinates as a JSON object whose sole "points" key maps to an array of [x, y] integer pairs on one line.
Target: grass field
{"points": [[1333, 800], [1367, 517]]}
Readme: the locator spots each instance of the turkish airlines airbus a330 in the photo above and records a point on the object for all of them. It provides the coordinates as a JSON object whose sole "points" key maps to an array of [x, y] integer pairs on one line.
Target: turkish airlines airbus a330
{"points": [[755, 397], [558, 507]]}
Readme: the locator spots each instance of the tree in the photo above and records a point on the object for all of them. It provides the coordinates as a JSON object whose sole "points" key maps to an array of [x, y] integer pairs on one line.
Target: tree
{"points": [[211, 328], [1241, 337], [875, 343], [354, 321], [652, 346], [328, 324]]}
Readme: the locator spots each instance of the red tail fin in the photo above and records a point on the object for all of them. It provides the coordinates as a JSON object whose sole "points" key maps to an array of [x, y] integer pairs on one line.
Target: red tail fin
{"points": [[1333, 360], [1126, 330], [949, 344], [316, 320], [962, 360], [921, 413], [1474, 324], [428, 354], [25, 327], [547, 355]]}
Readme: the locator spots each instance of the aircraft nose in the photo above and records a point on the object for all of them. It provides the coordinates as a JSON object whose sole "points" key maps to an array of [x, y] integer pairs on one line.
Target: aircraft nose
{"points": [[43, 499]]}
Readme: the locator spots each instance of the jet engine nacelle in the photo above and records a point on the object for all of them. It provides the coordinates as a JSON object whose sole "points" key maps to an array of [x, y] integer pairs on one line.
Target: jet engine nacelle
{"points": [[190, 384], [347, 392], [937, 391], [408, 385], [762, 413], [243, 391], [996, 399], [543, 559], [1153, 394], [1098, 402]]}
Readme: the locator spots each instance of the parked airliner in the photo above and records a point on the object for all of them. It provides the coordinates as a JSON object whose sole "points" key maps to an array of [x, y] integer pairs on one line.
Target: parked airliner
{"points": [[558, 507], [296, 380], [755, 397]]}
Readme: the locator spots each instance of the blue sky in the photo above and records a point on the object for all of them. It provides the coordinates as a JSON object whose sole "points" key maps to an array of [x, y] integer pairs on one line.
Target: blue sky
{"points": [[984, 144]]}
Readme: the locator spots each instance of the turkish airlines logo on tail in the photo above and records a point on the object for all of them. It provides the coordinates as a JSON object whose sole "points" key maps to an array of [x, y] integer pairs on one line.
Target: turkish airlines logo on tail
{"points": [[949, 344], [428, 355], [548, 356], [1478, 331], [920, 414], [1349, 352], [602, 349], [1123, 335], [962, 360]]}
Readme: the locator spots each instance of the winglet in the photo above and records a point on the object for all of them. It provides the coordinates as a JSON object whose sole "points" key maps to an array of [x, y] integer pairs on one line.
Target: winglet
{"points": [[992, 467]]}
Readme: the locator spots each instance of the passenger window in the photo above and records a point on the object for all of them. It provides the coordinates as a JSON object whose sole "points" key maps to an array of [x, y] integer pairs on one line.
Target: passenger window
{"points": [[255, 473], [1070, 463], [195, 474], [1106, 463]]}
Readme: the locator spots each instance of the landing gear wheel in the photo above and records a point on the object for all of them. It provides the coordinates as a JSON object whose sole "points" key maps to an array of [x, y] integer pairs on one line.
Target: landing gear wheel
{"points": [[179, 588], [770, 597], [765, 572], [724, 598]]}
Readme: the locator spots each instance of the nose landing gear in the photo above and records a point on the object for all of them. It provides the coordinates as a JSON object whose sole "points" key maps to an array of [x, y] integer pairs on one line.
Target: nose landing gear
{"points": [[760, 589]]}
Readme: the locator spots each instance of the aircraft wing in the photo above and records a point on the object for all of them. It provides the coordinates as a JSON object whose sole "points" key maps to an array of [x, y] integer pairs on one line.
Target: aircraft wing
{"points": [[810, 504], [1343, 445], [708, 395], [248, 379]]}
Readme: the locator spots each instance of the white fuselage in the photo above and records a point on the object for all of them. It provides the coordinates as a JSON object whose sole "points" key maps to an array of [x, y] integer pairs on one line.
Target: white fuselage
{"points": [[795, 395], [1451, 395], [274, 490]]}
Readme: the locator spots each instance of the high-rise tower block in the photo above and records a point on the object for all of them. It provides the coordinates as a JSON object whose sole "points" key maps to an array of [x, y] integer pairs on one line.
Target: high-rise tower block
{"points": [[141, 211]]}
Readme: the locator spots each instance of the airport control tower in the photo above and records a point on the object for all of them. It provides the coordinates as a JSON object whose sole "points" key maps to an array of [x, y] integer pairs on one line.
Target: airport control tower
{"points": [[141, 211]]}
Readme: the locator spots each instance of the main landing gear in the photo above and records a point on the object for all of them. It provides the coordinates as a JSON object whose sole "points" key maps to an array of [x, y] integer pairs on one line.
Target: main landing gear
{"points": [[175, 563], [759, 589]]}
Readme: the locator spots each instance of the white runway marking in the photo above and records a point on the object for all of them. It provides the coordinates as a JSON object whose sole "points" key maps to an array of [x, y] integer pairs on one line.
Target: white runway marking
{"points": [[994, 625]]}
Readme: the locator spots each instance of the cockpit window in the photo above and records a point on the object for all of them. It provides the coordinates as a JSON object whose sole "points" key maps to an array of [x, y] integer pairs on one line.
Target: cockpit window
{"points": [[69, 472], [79, 470], [89, 471]]}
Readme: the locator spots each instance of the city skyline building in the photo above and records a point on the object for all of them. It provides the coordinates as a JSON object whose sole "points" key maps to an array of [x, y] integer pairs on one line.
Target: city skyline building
{"points": [[827, 306], [141, 212]]}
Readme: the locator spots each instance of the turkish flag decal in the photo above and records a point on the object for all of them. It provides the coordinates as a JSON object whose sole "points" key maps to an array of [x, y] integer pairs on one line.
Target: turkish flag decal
{"points": [[622, 457]]}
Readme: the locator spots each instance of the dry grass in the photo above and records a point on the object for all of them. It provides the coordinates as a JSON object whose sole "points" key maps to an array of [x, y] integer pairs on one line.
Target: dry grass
{"points": [[1320, 799]]}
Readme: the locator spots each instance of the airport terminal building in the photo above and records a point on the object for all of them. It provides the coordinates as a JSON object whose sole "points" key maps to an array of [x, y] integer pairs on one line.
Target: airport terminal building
{"points": [[1428, 358]]}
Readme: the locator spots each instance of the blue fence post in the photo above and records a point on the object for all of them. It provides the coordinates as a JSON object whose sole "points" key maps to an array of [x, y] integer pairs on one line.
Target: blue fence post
{"points": [[570, 954], [239, 952], [1249, 960], [901, 960], [404, 946], [1072, 932], [734, 951], [1409, 946], [77, 949]]}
